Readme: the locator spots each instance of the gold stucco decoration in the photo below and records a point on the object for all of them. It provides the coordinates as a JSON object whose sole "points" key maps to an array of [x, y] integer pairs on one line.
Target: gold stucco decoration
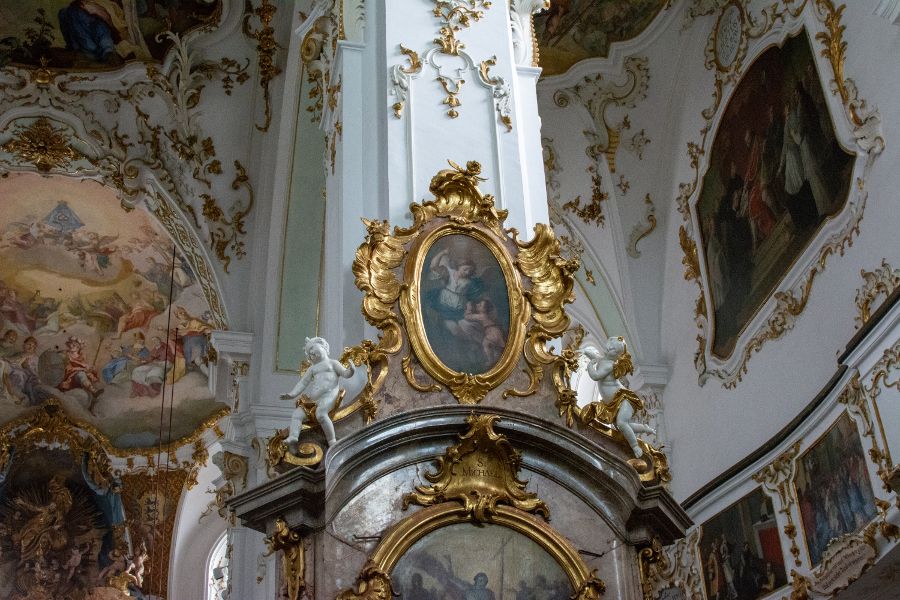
{"points": [[265, 49], [293, 557], [43, 145], [877, 283], [480, 472]]}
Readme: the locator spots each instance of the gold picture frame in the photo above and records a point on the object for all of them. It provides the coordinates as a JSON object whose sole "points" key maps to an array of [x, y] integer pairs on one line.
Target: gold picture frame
{"points": [[539, 283]]}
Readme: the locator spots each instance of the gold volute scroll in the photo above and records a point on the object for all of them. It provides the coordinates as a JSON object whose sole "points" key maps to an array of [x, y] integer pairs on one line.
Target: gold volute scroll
{"points": [[293, 557], [480, 472], [277, 453], [538, 285]]}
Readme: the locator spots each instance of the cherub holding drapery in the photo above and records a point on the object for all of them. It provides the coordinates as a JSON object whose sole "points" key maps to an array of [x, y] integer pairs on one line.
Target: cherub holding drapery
{"points": [[617, 404]]}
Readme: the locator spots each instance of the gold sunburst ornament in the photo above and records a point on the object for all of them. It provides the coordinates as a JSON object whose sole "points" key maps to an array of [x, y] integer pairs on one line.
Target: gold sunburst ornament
{"points": [[43, 145]]}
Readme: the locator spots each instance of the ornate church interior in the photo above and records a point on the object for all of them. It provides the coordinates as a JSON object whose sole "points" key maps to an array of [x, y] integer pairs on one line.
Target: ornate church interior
{"points": [[449, 299]]}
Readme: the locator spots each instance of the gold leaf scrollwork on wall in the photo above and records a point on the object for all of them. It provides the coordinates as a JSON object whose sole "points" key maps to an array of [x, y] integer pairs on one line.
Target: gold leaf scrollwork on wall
{"points": [[456, 15], [481, 473], [880, 282], [777, 478], [266, 46]]}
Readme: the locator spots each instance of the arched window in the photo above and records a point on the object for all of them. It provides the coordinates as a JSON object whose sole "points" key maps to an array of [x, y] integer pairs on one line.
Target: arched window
{"points": [[217, 574]]}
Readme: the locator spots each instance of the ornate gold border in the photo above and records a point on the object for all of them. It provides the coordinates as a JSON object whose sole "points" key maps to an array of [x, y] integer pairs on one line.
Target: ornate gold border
{"points": [[866, 129], [541, 278], [410, 307]]}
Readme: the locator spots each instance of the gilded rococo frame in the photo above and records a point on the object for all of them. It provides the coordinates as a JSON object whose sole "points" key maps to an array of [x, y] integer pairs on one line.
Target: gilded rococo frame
{"points": [[539, 282]]}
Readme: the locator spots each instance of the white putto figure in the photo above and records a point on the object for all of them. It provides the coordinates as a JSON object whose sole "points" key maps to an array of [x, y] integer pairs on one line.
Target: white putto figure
{"points": [[617, 403], [320, 385]]}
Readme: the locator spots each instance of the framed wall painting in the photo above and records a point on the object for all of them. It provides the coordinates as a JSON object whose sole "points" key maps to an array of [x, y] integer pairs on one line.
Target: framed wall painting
{"points": [[834, 492], [740, 551], [475, 301], [464, 300], [778, 173]]}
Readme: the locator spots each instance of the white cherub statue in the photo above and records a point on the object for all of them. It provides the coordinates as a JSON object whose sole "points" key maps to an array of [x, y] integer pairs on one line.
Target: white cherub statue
{"points": [[607, 366], [320, 385]]}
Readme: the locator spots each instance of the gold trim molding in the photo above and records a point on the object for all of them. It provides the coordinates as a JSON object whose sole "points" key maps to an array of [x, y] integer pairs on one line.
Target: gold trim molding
{"points": [[789, 300]]}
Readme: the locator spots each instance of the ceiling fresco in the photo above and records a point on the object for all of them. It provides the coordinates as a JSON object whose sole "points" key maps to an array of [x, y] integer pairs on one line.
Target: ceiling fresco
{"points": [[573, 30], [95, 313], [95, 34]]}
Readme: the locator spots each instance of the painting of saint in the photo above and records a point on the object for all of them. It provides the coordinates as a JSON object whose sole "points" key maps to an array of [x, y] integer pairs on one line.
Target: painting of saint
{"points": [[740, 551], [776, 173], [91, 34], [443, 566], [86, 317], [465, 304], [833, 488], [573, 30]]}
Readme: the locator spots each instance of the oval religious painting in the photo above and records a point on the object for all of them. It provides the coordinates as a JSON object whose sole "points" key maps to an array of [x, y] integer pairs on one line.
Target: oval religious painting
{"points": [[98, 314], [464, 303], [465, 562]]}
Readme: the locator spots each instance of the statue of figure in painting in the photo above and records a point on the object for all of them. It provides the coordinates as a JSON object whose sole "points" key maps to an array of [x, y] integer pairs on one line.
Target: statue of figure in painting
{"points": [[320, 384], [617, 403]]}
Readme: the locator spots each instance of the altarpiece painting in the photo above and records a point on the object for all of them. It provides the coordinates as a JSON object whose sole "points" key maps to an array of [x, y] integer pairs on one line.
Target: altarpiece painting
{"points": [[776, 173], [465, 562]]}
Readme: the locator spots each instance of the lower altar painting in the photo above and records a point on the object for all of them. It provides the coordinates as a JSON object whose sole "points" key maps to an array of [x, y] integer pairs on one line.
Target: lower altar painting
{"points": [[833, 488], [740, 551], [443, 566]]}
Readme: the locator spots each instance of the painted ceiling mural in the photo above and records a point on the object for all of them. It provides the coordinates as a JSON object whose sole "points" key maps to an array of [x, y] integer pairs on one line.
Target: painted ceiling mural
{"points": [[573, 30], [95, 313], [91, 34]]}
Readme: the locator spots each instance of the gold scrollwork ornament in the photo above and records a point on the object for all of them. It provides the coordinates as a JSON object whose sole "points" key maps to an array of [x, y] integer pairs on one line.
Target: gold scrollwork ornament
{"points": [[480, 472]]}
